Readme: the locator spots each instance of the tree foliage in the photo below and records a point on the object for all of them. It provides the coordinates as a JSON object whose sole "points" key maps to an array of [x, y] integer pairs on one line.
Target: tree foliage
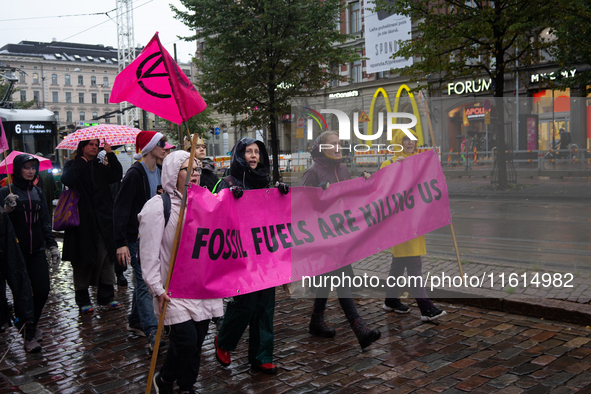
{"points": [[259, 54], [459, 39], [200, 124], [572, 46]]}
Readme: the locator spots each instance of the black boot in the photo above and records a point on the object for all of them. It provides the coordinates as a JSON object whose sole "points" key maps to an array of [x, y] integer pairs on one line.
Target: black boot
{"points": [[319, 328], [365, 336]]}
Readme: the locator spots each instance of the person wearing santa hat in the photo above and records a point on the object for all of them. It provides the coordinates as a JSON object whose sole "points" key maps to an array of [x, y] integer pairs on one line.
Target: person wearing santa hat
{"points": [[139, 185]]}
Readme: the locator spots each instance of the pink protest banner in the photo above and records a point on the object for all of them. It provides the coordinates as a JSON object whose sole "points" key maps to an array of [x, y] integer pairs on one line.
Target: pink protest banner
{"points": [[235, 246]]}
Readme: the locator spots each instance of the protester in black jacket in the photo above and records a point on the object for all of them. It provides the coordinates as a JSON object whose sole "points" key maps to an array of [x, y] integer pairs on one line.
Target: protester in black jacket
{"points": [[90, 247], [30, 218], [139, 185]]}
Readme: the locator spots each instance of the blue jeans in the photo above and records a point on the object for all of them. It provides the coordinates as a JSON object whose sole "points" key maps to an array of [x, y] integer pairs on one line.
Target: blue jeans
{"points": [[142, 309]]}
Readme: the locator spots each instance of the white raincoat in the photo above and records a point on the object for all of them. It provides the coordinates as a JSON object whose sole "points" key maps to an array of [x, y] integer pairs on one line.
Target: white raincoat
{"points": [[156, 243]]}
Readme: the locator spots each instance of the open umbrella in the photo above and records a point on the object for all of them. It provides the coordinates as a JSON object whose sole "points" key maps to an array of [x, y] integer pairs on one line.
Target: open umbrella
{"points": [[114, 135], [44, 164]]}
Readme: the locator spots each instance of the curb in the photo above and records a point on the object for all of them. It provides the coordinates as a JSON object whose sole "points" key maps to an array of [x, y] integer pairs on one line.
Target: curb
{"points": [[538, 197]]}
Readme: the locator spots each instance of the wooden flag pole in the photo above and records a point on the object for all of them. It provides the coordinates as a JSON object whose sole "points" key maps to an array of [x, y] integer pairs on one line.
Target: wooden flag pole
{"points": [[175, 249], [451, 226]]}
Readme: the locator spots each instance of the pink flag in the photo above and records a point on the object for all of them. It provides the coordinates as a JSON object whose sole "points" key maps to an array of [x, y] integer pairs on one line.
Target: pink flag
{"points": [[155, 83], [235, 246], [3, 142]]}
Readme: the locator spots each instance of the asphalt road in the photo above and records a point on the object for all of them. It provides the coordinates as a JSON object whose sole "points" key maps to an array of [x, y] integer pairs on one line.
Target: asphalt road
{"points": [[545, 235]]}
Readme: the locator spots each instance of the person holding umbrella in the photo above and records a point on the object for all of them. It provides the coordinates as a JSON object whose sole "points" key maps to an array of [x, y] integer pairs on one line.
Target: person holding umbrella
{"points": [[90, 247], [27, 209]]}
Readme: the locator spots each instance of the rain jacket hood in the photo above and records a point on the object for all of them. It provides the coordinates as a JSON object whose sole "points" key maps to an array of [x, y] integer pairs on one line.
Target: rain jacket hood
{"points": [[171, 166], [17, 178], [239, 169], [398, 136]]}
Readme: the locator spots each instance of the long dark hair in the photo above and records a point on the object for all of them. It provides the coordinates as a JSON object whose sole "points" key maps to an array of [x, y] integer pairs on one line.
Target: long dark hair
{"points": [[81, 145]]}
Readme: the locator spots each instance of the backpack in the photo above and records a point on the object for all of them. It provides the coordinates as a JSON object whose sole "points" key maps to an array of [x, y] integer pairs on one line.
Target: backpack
{"points": [[229, 180], [167, 207]]}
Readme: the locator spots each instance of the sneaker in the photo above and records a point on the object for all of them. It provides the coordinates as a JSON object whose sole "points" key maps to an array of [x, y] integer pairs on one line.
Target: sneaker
{"points": [[32, 346], [395, 306], [268, 368], [86, 309], [432, 314], [161, 386], [223, 356], [111, 305], [121, 280], [136, 328], [152, 339]]}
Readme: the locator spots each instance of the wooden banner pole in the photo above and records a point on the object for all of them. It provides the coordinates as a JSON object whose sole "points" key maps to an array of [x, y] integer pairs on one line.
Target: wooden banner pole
{"points": [[451, 226], [175, 249]]}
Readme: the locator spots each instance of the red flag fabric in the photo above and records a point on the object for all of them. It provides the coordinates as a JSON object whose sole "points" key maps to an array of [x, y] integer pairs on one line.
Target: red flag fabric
{"points": [[155, 83], [3, 142]]}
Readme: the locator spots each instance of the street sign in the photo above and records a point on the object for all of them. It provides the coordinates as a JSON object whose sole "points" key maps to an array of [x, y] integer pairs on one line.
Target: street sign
{"points": [[487, 105], [217, 131], [301, 122]]}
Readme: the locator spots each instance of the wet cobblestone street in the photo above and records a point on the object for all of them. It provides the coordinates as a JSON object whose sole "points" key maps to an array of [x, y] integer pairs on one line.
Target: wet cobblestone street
{"points": [[470, 350]]}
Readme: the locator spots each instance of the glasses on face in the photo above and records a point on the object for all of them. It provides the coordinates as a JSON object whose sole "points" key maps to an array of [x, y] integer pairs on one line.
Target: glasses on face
{"points": [[161, 144], [196, 170]]}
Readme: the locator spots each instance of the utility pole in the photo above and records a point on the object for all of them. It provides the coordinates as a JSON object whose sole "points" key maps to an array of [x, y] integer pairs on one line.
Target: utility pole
{"points": [[125, 51]]}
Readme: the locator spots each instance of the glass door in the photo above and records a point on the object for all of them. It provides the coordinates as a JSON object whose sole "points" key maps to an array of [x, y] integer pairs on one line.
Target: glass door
{"points": [[546, 129]]}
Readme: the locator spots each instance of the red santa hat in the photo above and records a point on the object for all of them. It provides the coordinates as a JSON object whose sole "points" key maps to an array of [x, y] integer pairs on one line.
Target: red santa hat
{"points": [[145, 142]]}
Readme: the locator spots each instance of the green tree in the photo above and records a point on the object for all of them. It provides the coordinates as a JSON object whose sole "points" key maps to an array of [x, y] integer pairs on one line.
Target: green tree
{"points": [[458, 39], [572, 46], [259, 54]]}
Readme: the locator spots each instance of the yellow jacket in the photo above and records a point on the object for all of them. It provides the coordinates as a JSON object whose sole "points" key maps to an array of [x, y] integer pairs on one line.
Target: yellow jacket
{"points": [[416, 246]]}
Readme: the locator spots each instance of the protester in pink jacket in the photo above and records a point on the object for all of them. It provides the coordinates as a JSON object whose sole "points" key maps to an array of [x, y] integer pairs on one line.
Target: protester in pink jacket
{"points": [[186, 320]]}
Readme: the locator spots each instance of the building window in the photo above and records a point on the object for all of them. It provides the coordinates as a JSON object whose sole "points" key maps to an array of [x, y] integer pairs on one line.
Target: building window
{"points": [[23, 95], [82, 115], [35, 77], [68, 81], [36, 95], [56, 114], [106, 98], [68, 97], [107, 120], [356, 76], [354, 18], [105, 82], [93, 81], [22, 77], [335, 70], [93, 98], [94, 115], [69, 116], [81, 98], [54, 79], [54, 97], [80, 80]]}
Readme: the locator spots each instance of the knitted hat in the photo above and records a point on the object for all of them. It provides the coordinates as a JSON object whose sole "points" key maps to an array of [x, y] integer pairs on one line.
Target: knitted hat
{"points": [[145, 142]]}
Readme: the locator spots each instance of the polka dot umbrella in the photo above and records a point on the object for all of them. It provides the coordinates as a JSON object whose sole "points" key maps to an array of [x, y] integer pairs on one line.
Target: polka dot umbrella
{"points": [[113, 134]]}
